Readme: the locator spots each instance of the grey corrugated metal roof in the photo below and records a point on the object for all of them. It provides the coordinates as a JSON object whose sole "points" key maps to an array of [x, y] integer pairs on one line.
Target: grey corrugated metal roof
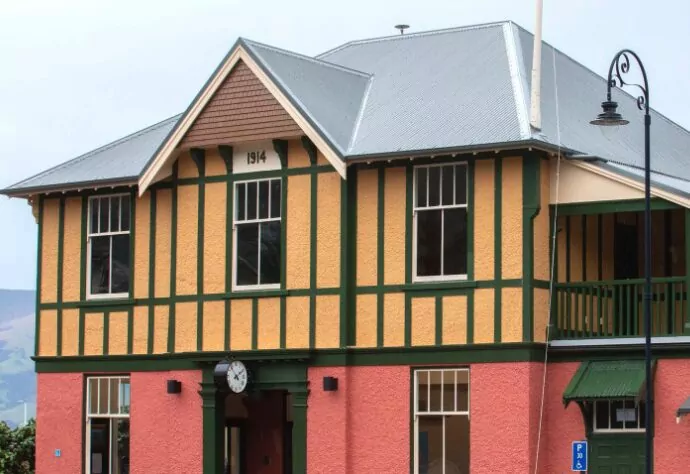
{"points": [[669, 183], [439, 90], [328, 94], [119, 161]]}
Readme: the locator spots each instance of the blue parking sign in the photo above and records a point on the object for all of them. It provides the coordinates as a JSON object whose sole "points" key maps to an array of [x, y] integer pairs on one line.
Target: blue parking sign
{"points": [[579, 456]]}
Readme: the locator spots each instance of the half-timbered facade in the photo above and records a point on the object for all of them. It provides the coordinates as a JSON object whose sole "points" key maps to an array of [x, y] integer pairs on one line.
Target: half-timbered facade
{"points": [[336, 264]]}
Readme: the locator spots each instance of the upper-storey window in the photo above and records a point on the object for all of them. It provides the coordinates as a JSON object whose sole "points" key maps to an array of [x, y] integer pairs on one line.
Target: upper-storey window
{"points": [[440, 222], [257, 230], [108, 271]]}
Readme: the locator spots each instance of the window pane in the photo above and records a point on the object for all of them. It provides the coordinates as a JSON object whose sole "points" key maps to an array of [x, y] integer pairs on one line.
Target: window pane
{"points": [[251, 200], [100, 445], [93, 396], [263, 200], [270, 252], [247, 254], [461, 184], [630, 415], [435, 389], [457, 443], [100, 265], [617, 414], [447, 185], [642, 414], [434, 185], [115, 214], [120, 446], [455, 241], [448, 390], [105, 214], [421, 187], [422, 398], [120, 276], [125, 210], [430, 445], [94, 215], [463, 398], [114, 396], [240, 202], [601, 420], [103, 396], [428, 243], [275, 198], [124, 396]]}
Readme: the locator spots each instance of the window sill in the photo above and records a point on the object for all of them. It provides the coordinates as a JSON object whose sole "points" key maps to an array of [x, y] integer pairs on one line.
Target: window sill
{"points": [[439, 285], [95, 303], [243, 294]]}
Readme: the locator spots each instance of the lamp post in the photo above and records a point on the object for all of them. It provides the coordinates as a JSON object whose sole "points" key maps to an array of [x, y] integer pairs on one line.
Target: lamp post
{"points": [[620, 67]]}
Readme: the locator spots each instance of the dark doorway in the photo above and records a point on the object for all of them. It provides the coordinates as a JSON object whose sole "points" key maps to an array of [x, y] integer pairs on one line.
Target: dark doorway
{"points": [[625, 267], [617, 453]]}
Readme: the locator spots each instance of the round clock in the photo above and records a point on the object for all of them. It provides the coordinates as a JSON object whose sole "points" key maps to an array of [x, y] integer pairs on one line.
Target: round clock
{"points": [[237, 376]]}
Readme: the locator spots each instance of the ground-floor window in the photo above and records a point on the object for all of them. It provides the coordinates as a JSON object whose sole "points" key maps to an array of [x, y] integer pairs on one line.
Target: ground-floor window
{"points": [[107, 425], [619, 415], [441, 421]]}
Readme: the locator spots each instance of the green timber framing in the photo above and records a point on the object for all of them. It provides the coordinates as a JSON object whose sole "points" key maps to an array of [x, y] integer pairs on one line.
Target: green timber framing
{"points": [[348, 291]]}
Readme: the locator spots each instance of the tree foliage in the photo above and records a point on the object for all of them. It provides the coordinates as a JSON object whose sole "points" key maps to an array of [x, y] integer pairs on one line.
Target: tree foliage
{"points": [[17, 448]]}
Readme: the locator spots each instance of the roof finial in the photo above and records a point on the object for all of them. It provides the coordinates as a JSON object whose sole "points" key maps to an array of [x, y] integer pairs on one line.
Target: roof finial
{"points": [[402, 28]]}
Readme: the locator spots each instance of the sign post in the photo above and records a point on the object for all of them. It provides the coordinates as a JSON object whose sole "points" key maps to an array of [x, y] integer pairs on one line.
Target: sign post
{"points": [[579, 463]]}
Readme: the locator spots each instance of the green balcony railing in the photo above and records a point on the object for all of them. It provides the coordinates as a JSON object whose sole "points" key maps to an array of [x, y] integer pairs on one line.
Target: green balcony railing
{"points": [[598, 309]]}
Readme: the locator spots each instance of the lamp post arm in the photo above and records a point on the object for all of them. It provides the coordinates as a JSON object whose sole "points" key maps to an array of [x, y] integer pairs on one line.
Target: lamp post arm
{"points": [[619, 69]]}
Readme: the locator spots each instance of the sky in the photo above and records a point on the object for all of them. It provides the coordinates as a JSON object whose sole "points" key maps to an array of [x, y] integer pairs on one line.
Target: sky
{"points": [[77, 74]]}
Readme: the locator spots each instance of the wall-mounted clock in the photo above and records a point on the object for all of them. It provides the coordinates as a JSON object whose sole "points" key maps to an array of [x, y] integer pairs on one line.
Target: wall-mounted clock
{"points": [[237, 376]]}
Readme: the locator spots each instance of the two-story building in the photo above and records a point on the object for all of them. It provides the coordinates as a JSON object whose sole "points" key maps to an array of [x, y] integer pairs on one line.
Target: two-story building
{"points": [[365, 262]]}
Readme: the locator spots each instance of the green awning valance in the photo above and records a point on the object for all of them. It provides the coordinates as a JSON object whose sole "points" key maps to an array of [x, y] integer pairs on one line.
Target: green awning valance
{"points": [[606, 379]]}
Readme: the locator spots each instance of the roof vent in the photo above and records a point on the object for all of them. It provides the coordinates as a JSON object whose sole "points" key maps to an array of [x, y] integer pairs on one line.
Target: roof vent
{"points": [[402, 28]]}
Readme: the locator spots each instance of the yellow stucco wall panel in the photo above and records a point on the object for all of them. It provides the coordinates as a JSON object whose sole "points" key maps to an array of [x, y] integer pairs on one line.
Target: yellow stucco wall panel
{"points": [[367, 225], [214, 326], [163, 226], [187, 232], [48, 333], [160, 329], [140, 332], [423, 321], [71, 254], [483, 213], [366, 321], [186, 168], [327, 321], [93, 333], [541, 313], [320, 159], [268, 334], [70, 332], [511, 314], [49, 251], [215, 200], [394, 320], [215, 166], [454, 319], [298, 231], [297, 322], [297, 155], [241, 325], [394, 203], [484, 315], [511, 218], [328, 230], [185, 327], [142, 252], [541, 227], [117, 333]]}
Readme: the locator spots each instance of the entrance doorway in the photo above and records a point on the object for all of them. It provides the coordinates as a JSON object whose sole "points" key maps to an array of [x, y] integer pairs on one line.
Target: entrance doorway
{"points": [[258, 433], [620, 453], [625, 267]]}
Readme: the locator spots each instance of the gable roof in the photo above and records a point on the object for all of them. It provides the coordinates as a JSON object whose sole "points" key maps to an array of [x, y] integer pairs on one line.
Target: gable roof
{"points": [[433, 92]]}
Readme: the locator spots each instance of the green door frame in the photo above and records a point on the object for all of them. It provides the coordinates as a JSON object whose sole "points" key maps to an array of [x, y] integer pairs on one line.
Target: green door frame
{"points": [[289, 375]]}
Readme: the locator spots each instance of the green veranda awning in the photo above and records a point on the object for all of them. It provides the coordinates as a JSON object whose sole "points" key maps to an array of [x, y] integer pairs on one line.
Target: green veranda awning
{"points": [[606, 379]]}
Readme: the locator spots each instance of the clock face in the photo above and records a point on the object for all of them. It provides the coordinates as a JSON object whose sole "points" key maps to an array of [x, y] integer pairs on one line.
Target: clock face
{"points": [[237, 376]]}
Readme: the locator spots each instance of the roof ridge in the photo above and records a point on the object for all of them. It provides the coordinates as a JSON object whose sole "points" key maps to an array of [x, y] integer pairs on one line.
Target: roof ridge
{"points": [[516, 68], [439, 31], [318, 61], [360, 115], [88, 154]]}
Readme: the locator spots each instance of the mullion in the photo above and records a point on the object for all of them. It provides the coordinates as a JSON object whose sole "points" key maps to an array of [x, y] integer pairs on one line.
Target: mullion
{"points": [[258, 250]]}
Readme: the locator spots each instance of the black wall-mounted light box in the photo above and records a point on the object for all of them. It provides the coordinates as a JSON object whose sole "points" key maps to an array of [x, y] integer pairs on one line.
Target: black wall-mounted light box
{"points": [[330, 384], [174, 386]]}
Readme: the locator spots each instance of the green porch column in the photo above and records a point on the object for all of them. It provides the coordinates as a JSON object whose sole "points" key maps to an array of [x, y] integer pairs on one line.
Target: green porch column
{"points": [[299, 431], [213, 412]]}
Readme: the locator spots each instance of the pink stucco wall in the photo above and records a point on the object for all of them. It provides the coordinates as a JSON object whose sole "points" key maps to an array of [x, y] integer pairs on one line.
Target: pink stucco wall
{"points": [[504, 414], [671, 439], [364, 426], [59, 419], [166, 429]]}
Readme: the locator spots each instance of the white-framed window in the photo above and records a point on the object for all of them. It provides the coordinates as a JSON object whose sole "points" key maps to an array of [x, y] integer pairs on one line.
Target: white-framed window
{"points": [[611, 416], [440, 222], [107, 425], [441, 421], [257, 229], [108, 243]]}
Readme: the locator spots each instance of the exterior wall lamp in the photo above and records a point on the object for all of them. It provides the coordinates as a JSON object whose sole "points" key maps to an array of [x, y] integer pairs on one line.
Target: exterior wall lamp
{"points": [[330, 384], [174, 386]]}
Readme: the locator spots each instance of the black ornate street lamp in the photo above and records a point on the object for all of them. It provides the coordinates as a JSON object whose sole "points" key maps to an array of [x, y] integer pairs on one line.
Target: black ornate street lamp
{"points": [[620, 67]]}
